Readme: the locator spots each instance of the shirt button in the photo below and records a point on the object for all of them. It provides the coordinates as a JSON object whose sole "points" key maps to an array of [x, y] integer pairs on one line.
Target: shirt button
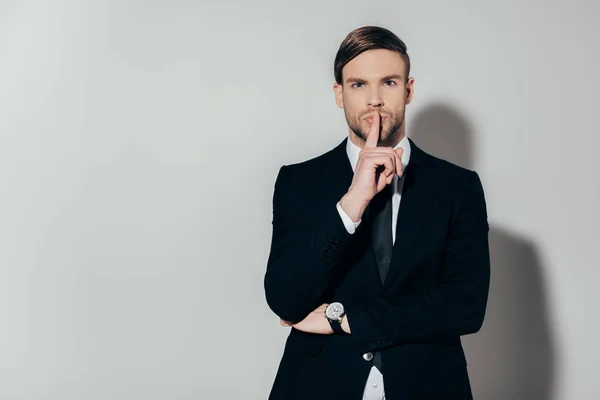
{"points": [[368, 356], [375, 386]]}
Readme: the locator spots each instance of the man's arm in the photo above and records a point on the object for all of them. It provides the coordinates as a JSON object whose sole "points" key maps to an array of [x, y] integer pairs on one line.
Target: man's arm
{"points": [[455, 307], [305, 251]]}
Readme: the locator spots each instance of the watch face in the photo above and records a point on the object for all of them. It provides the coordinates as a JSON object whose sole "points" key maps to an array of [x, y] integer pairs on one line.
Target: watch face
{"points": [[334, 310]]}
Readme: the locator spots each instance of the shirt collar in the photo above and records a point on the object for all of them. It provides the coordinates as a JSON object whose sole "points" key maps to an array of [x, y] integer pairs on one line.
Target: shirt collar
{"points": [[353, 151]]}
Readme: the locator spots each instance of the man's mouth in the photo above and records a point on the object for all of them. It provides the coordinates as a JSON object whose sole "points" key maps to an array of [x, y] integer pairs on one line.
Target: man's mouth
{"points": [[370, 119]]}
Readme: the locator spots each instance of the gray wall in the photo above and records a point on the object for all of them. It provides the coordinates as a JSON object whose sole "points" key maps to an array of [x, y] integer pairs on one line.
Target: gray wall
{"points": [[139, 143]]}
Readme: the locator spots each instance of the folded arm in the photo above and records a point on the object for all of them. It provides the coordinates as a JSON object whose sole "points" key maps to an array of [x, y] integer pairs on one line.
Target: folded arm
{"points": [[305, 249]]}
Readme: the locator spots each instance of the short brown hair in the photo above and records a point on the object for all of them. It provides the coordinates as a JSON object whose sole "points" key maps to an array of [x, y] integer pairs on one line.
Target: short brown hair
{"points": [[368, 38]]}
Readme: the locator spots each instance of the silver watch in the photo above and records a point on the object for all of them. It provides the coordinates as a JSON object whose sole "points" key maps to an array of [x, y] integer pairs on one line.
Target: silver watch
{"points": [[334, 312]]}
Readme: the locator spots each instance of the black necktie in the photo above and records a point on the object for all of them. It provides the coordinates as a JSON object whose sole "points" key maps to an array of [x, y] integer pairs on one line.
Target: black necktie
{"points": [[382, 229]]}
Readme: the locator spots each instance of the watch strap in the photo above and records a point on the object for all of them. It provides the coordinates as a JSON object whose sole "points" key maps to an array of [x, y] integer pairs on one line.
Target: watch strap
{"points": [[336, 326]]}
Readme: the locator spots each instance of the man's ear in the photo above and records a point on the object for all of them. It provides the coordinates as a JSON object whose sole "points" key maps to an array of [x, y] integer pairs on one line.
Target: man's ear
{"points": [[410, 90], [339, 94]]}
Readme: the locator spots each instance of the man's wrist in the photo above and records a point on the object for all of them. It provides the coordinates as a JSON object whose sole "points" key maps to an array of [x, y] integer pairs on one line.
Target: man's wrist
{"points": [[334, 313], [350, 225], [336, 327], [352, 207]]}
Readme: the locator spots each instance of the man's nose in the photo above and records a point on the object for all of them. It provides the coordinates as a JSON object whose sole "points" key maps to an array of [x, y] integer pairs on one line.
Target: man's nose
{"points": [[375, 99]]}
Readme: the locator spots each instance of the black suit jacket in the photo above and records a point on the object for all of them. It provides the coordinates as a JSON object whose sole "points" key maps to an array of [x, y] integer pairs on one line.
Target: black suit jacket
{"points": [[436, 289]]}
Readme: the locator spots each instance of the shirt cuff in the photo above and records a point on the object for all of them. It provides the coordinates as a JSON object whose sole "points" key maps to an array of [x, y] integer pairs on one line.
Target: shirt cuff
{"points": [[348, 223]]}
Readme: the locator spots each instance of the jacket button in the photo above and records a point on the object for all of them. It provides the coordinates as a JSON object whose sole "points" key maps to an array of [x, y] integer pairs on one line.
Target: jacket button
{"points": [[368, 356]]}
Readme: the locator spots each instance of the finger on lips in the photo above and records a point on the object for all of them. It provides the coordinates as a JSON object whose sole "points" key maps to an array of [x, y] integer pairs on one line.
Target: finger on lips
{"points": [[389, 165], [373, 137]]}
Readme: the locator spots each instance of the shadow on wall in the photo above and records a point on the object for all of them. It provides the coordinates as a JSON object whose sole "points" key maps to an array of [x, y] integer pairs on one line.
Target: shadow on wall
{"points": [[512, 356]]}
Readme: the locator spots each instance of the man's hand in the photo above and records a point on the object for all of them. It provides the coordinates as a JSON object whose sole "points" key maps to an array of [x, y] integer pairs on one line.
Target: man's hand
{"points": [[375, 169], [321, 309], [315, 322]]}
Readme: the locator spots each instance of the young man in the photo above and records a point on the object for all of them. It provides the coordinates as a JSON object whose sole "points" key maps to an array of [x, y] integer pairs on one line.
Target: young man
{"points": [[379, 259]]}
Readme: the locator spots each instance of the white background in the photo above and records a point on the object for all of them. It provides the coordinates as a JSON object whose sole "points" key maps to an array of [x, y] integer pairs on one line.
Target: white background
{"points": [[139, 144]]}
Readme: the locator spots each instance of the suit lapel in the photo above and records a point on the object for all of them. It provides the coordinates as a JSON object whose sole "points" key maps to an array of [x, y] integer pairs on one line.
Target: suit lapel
{"points": [[418, 190], [337, 174]]}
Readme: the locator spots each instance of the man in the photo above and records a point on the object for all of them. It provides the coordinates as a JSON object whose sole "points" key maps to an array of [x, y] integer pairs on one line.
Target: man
{"points": [[379, 259]]}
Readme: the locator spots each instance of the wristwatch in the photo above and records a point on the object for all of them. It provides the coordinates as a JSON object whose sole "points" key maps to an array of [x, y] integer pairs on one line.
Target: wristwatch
{"points": [[334, 313]]}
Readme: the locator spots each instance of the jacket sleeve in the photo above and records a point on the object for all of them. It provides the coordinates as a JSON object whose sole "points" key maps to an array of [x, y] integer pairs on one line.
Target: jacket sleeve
{"points": [[455, 307], [308, 241]]}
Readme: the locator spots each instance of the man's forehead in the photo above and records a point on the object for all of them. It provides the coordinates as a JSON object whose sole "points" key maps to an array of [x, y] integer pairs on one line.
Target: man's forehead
{"points": [[374, 65]]}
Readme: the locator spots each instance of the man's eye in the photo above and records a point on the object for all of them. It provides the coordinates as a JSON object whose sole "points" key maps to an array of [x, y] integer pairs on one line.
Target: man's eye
{"points": [[391, 83], [355, 85]]}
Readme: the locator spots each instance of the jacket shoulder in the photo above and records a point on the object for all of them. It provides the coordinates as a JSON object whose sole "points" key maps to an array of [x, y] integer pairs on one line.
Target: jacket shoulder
{"points": [[449, 169], [306, 169], [452, 177]]}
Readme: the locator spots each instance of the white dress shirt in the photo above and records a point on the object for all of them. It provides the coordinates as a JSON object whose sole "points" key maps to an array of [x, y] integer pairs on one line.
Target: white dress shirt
{"points": [[374, 387]]}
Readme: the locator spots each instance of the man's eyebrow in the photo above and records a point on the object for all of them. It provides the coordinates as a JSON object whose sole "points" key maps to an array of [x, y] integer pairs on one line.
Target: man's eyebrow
{"points": [[355, 80], [393, 76], [384, 79]]}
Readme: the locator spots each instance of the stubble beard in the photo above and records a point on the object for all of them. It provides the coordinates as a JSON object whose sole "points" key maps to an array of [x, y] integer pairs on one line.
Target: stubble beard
{"points": [[388, 137]]}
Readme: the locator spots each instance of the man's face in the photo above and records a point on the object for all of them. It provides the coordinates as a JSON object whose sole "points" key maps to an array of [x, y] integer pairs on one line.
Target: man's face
{"points": [[375, 80]]}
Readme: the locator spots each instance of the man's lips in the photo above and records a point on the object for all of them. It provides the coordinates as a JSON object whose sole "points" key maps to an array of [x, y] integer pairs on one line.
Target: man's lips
{"points": [[369, 119]]}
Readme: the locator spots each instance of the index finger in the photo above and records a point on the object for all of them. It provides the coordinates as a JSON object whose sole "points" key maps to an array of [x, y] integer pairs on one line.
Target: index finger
{"points": [[373, 137]]}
